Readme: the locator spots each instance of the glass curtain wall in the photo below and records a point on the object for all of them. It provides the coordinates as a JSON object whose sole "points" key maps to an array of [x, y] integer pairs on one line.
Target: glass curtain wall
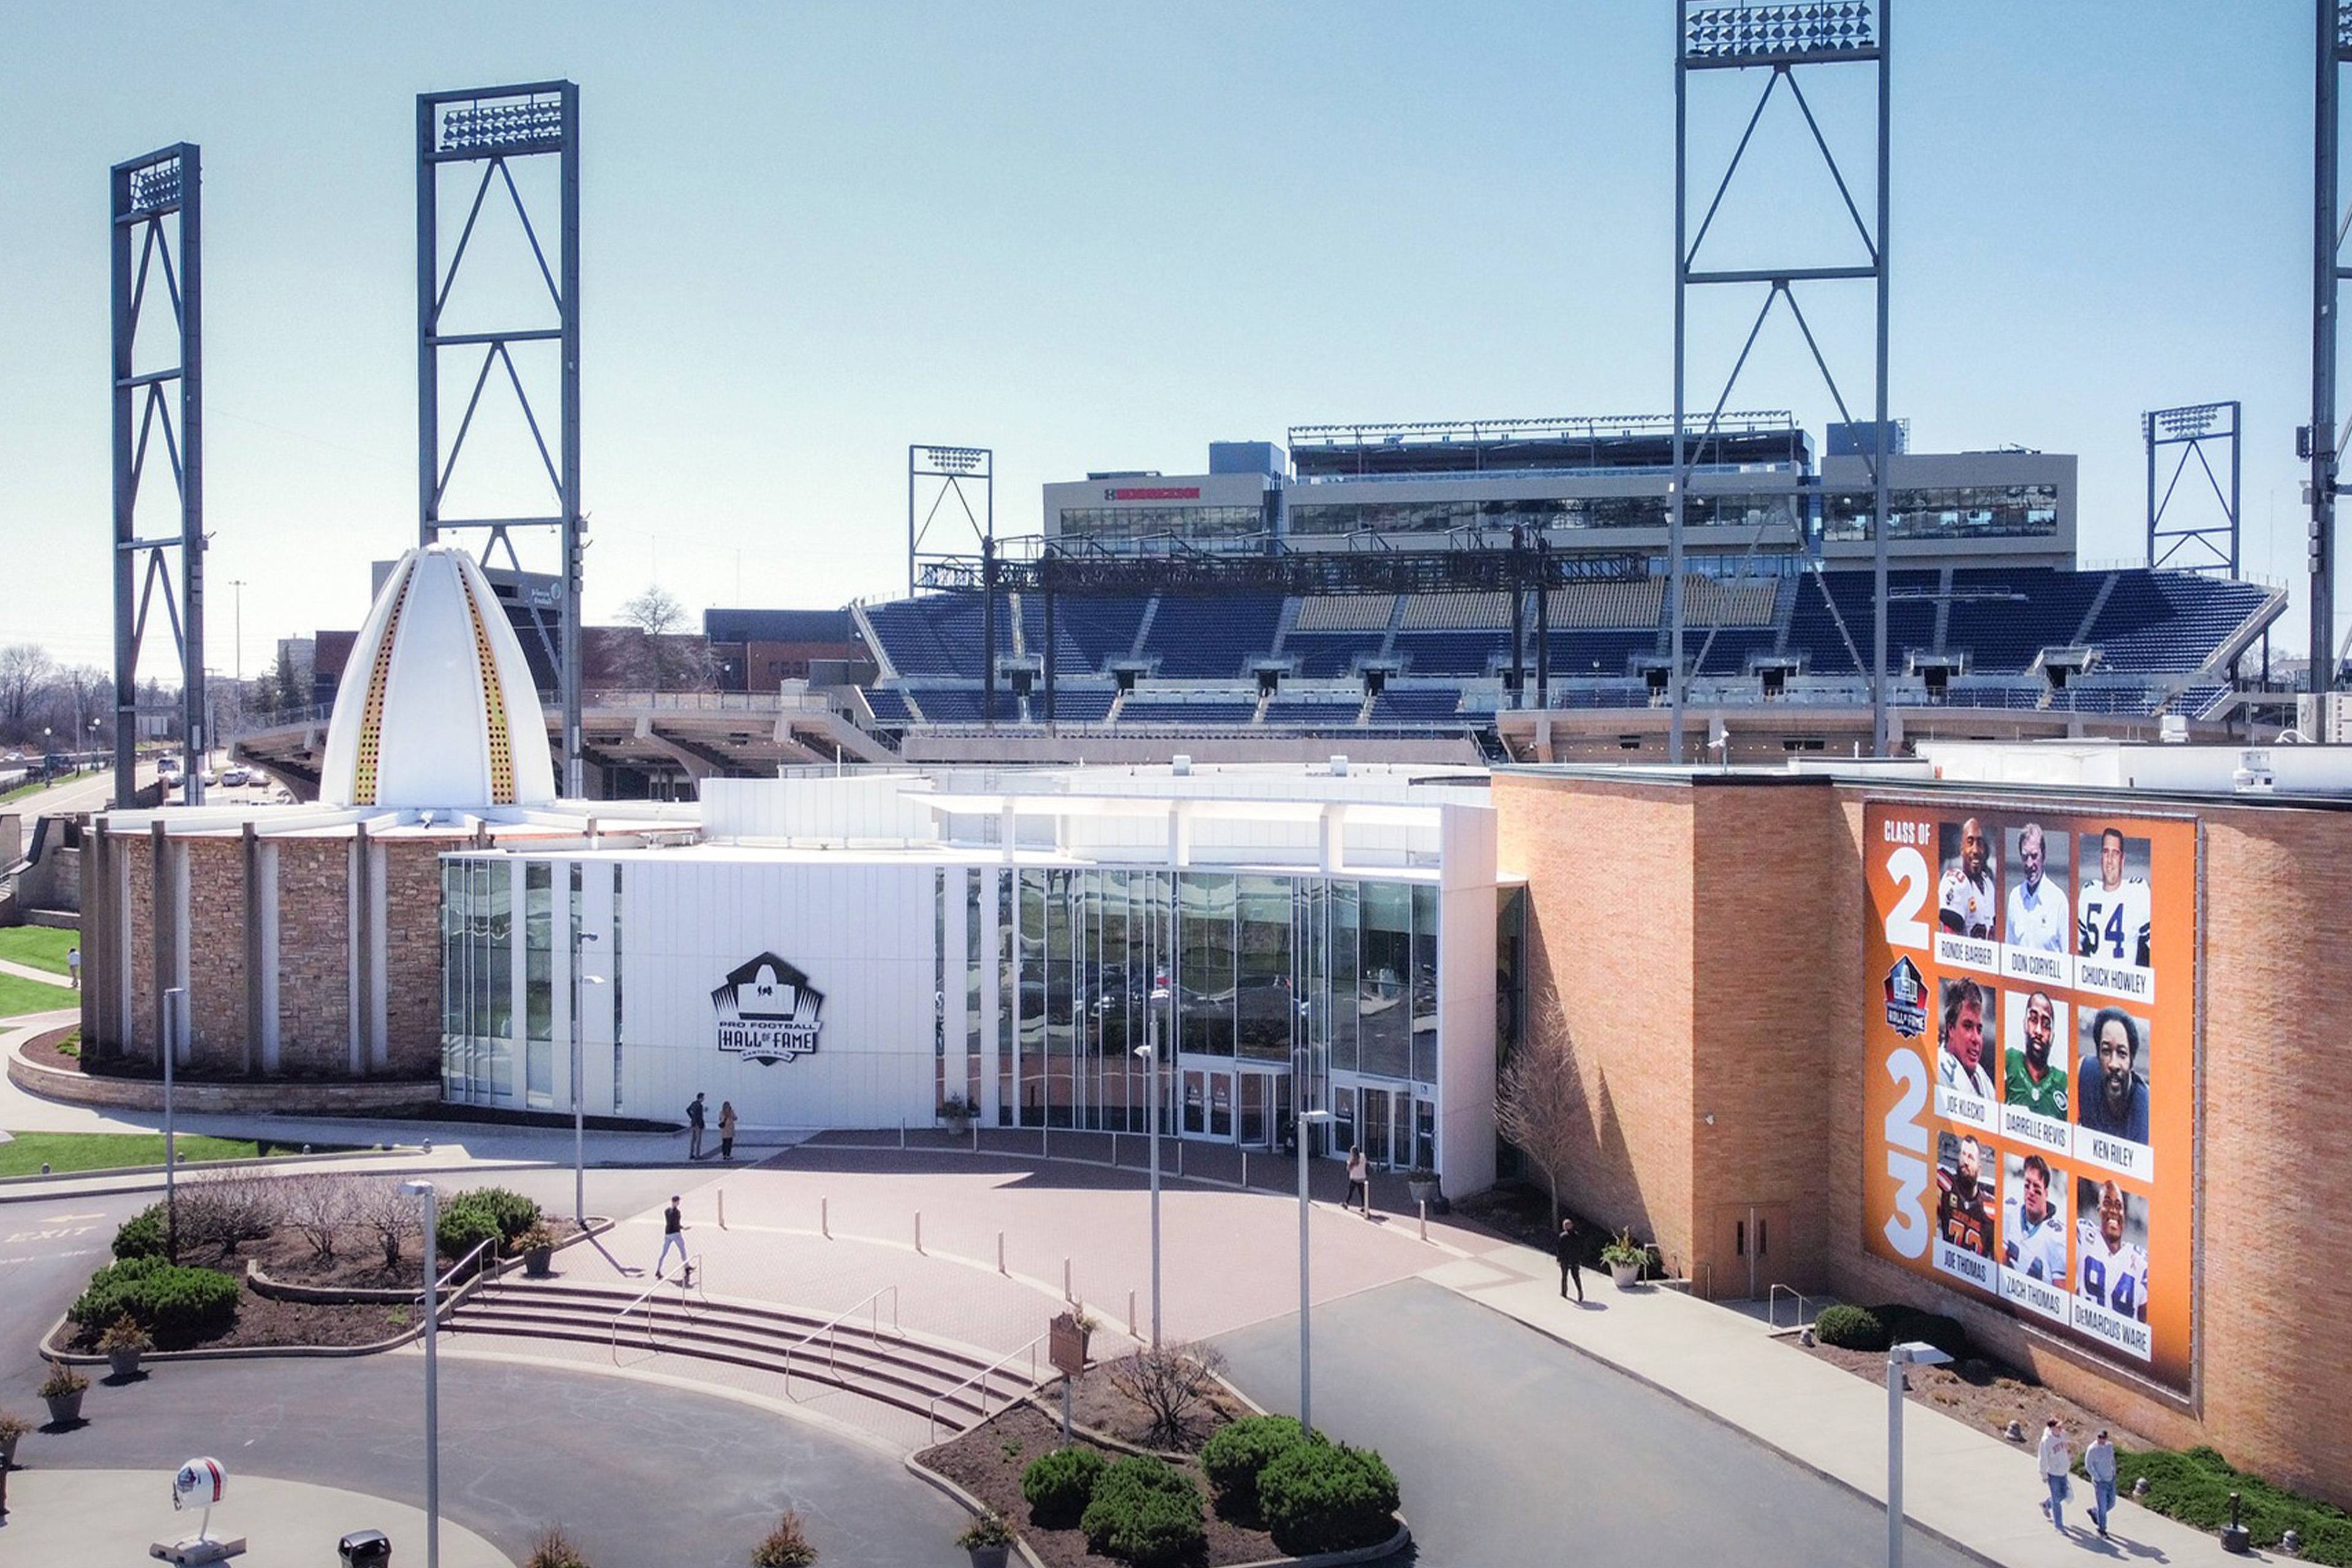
{"points": [[538, 985], [478, 1032]]}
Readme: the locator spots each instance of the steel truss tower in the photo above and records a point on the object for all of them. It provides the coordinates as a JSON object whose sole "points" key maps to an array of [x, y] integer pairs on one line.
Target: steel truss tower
{"points": [[492, 127], [943, 472], [145, 192], [1781, 39], [2319, 443], [2193, 546]]}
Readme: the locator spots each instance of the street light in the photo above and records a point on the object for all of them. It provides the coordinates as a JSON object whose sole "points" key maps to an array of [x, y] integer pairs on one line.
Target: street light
{"points": [[1910, 1353], [419, 1189], [578, 1094], [1150, 1052], [1304, 1119]]}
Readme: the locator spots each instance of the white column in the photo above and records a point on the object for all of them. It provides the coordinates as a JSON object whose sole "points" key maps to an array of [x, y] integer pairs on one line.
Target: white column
{"points": [[991, 939]]}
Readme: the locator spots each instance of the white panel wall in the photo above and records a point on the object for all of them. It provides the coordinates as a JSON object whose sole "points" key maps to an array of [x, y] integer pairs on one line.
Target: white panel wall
{"points": [[1466, 1002], [860, 930]]}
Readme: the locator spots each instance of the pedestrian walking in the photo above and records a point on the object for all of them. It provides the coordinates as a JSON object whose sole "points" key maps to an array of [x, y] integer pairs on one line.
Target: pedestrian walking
{"points": [[694, 1128], [727, 1129], [673, 1235], [2099, 1464], [1566, 1248], [73, 965], [1360, 1180], [2056, 1458]]}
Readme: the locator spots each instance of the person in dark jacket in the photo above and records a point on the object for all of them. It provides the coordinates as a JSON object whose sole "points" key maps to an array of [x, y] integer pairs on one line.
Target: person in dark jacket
{"points": [[1567, 1248]]}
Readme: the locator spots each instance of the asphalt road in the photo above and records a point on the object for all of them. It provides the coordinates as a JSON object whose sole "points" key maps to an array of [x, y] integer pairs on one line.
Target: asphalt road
{"points": [[1511, 1447]]}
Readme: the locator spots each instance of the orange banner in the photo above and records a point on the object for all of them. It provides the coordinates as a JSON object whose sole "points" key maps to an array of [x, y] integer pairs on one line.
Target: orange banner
{"points": [[2031, 1070]]}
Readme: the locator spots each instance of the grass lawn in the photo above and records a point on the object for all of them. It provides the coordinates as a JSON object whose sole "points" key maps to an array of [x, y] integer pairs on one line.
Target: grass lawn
{"points": [[18, 995], [39, 946], [27, 1153]]}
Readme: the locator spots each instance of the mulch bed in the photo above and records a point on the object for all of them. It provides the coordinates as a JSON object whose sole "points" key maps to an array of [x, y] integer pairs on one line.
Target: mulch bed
{"points": [[987, 1462], [1986, 1395]]}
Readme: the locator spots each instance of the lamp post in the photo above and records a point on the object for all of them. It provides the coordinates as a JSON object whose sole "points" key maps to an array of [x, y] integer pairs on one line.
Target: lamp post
{"points": [[579, 1067], [1304, 1119], [1150, 1055], [1910, 1353], [419, 1189], [175, 1002]]}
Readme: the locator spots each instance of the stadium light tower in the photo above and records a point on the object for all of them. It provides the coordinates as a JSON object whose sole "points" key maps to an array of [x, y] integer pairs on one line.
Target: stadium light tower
{"points": [[492, 127], [1781, 39], [2203, 544], [940, 473], [144, 193], [2319, 443]]}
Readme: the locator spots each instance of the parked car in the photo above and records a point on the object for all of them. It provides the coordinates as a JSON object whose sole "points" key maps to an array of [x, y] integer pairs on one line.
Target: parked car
{"points": [[236, 775]]}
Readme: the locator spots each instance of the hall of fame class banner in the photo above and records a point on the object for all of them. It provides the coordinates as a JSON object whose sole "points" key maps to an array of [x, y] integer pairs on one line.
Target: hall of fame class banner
{"points": [[2029, 1065]]}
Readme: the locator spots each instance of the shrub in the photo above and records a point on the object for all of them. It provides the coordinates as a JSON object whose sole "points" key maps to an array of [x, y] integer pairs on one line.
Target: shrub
{"points": [[554, 1550], [1904, 1323], [226, 1208], [510, 1211], [1851, 1329], [320, 1208], [1059, 1485], [1169, 1380], [2194, 1488], [1146, 1513], [12, 1426], [388, 1214], [991, 1529], [142, 1234], [124, 1334], [1328, 1497], [786, 1546], [165, 1298], [62, 1381], [1238, 1452], [459, 1230]]}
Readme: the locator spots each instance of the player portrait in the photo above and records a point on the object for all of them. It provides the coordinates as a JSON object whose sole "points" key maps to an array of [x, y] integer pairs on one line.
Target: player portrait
{"points": [[1963, 1193], [2111, 1249], [2036, 913], [2033, 1057], [2033, 1219], [1968, 899], [2110, 1090], [2113, 909], [1964, 1038]]}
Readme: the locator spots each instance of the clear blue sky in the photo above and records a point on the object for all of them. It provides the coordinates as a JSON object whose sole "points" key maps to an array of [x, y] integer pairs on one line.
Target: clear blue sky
{"points": [[1102, 236]]}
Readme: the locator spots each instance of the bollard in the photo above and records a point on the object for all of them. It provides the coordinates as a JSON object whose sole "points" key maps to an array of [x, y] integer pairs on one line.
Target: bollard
{"points": [[975, 1136], [825, 1218], [1000, 1252], [902, 1134], [1425, 1219], [1066, 1281], [1244, 1169], [919, 1230], [723, 1208], [1130, 1317]]}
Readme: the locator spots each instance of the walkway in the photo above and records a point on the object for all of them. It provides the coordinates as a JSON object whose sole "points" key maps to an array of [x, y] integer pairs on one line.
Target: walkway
{"points": [[112, 1516]]}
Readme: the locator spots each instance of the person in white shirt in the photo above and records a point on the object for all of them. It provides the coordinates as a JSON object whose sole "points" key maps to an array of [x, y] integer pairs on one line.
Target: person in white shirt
{"points": [[2113, 915], [1960, 1064], [2055, 1458], [2037, 910], [2033, 1235], [2099, 1464], [1968, 898]]}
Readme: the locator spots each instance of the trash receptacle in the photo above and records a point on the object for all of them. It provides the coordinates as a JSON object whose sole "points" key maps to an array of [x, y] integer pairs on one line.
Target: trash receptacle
{"points": [[370, 1548]]}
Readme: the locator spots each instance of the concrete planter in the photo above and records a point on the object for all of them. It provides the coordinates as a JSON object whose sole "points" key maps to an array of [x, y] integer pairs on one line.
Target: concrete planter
{"points": [[989, 1556], [65, 1409], [124, 1364], [1625, 1274], [538, 1261]]}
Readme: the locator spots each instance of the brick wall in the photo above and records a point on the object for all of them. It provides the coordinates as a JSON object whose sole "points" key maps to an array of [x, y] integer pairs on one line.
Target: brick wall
{"points": [[138, 861], [216, 922], [314, 1007], [412, 955]]}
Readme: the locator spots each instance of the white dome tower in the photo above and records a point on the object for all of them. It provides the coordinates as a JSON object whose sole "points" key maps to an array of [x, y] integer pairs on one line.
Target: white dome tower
{"points": [[438, 710]]}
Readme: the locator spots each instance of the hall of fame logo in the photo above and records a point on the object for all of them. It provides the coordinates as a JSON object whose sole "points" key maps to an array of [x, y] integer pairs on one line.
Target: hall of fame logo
{"points": [[1907, 999], [767, 1012]]}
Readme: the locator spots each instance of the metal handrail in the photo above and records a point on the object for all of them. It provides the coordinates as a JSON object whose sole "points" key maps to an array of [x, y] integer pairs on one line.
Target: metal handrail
{"points": [[433, 1308], [692, 1272], [1772, 1306], [832, 1345], [981, 1377]]}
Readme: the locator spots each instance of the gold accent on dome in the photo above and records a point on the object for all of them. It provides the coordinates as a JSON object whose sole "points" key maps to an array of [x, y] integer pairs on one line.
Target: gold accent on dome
{"points": [[371, 737], [494, 704]]}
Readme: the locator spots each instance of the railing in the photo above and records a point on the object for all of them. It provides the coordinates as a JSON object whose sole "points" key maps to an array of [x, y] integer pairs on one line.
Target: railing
{"points": [[1772, 1307], [980, 1379], [439, 1285], [688, 1280], [830, 1324]]}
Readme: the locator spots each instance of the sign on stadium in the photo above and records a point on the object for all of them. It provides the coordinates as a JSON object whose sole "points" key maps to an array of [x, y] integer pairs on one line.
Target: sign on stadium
{"points": [[2032, 1083]]}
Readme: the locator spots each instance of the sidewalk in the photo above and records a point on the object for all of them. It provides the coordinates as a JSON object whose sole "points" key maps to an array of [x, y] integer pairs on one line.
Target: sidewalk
{"points": [[1971, 1488], [58, 1516]]}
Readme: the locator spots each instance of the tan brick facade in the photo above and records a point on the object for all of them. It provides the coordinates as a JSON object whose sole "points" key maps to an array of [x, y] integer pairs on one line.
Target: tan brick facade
{"points": [[314, 933], [411, 879], [216, 975], [1705, 935]]}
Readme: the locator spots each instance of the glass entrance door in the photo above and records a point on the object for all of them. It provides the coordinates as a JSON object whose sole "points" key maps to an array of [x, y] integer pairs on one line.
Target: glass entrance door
{"points": [[1263, 1102], [1374, 1133]]}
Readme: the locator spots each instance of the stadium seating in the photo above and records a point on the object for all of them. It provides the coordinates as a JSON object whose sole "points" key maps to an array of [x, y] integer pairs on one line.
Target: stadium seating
{"points": [[889, 705], [1212, 637]]}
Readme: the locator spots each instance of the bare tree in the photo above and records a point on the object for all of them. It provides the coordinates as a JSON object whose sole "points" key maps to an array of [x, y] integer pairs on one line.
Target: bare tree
{"points": [[1169, 1380], [656, 615], [320, 1209], [389, 1215], [1539, 1101], [225, 1207], [25, 671]]}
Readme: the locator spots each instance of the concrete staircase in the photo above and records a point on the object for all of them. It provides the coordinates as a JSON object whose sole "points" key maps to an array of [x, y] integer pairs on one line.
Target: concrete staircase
{"points": [[919, 1384]]}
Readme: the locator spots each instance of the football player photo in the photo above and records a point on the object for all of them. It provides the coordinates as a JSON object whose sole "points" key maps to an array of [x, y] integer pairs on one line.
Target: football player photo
{"points": [[2036, 914], [2112, 913], [1963, 1193], [2031, 1077], [2111, 1249], [1967, 900], [2111, 1086], [2032, 1222], [1963, 1038]]}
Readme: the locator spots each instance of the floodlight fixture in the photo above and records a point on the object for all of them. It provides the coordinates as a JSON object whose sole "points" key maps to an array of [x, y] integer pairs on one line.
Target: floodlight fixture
{"points": [[155, 189], [499, 127], [1767, 34]]}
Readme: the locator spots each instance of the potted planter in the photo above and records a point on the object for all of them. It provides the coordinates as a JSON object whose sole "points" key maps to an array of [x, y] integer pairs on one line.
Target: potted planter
{"points": [[13, 1428], [989, 1539], [61, 1391], [1420, 1183], [538, 1247], [122, 1344], [1623, 1257], [957, 1112]]}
